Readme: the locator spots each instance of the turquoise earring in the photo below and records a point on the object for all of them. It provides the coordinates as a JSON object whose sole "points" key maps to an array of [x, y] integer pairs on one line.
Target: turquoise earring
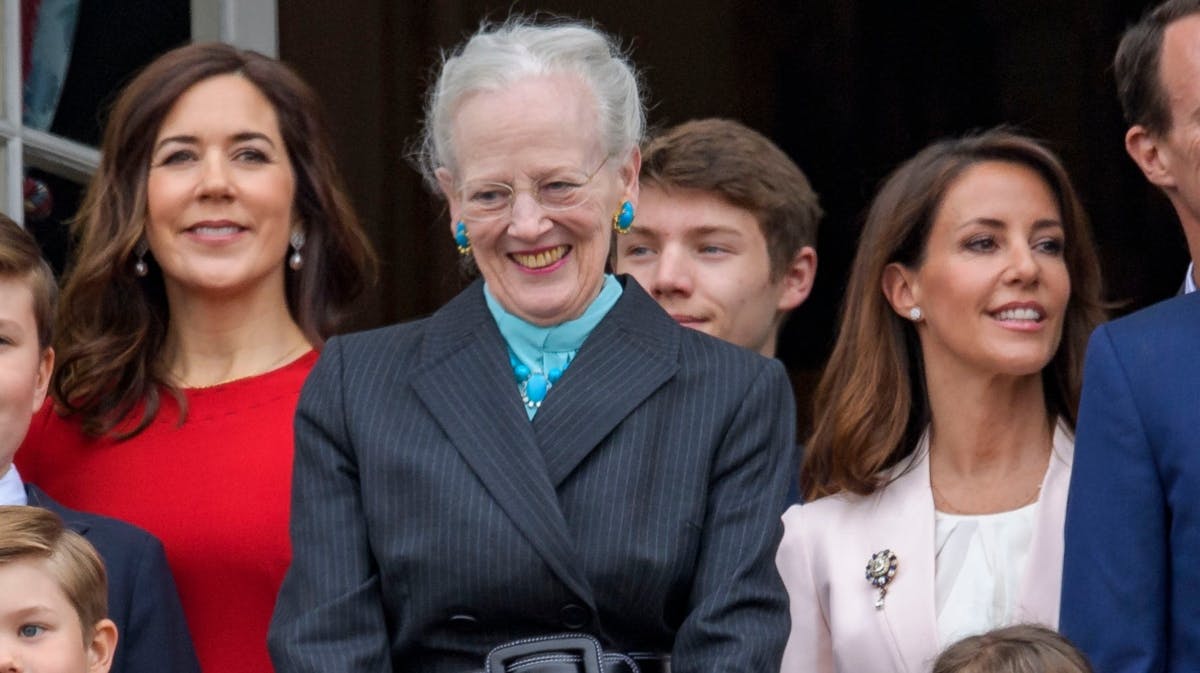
{"points": [[462, 239], [623, 221]]}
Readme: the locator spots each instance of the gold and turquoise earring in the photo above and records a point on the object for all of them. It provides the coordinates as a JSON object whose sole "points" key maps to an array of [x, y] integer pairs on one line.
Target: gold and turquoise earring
{"points": [[622, 221], [462, 239]]}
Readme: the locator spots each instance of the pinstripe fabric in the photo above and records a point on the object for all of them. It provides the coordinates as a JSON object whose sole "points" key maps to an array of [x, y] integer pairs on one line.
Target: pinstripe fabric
{"points": [[432, 520]]}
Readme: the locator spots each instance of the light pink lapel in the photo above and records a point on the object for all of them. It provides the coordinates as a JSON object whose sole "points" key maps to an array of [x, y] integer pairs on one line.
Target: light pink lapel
{"points": [[907, 528], [1040, 589]]}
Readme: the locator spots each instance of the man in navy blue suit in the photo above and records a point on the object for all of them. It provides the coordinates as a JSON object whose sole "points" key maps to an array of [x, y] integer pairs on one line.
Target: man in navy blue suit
{"points": [[1131, 576], [142, 600]]}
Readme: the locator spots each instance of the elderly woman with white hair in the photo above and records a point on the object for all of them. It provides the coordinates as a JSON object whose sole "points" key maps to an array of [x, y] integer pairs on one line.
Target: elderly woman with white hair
{"points": [[548, 474]]}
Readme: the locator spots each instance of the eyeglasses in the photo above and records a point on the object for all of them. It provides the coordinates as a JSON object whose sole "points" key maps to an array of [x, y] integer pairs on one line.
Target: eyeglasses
{"points": [[559, 191]]}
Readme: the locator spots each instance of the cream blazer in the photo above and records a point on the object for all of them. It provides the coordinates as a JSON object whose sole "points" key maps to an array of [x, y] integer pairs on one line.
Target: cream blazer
{"points": [[823, 559]]}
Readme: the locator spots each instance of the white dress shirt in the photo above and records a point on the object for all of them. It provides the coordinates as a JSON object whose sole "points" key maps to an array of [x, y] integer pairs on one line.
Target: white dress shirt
{"points": [[979, 568], [12, 489]]}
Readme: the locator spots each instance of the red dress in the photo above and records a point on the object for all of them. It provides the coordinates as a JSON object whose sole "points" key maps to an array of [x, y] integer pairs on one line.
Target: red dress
{"points": [[215, 490]]}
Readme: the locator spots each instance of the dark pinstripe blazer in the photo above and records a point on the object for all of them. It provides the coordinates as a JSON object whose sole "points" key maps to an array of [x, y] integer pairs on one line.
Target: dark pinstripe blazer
{"points": [[432, 520]]}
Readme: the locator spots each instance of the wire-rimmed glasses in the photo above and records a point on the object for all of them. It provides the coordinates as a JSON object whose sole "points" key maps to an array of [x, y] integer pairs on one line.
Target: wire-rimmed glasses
{"points": [[560, 190]]}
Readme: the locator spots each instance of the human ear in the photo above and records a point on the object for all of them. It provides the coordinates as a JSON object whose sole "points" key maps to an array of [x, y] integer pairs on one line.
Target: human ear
{"points": [[45, 368], [628, 172], [1145, 150], [446, 183], [102, 646], [798, 279], [900, 288]]}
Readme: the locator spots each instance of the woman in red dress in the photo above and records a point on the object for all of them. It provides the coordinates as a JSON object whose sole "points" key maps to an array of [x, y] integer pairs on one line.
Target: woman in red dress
{"points": [[216, 251]]}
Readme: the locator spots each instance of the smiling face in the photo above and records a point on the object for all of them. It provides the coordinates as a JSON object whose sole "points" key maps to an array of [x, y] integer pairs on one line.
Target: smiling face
{"points": [[40, 629], [993, 283], [24, 366], [220, 191], [706, 263], [545, 266]]}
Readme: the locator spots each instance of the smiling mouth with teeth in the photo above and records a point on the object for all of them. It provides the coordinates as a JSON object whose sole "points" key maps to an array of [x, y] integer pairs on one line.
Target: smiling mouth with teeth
{"points": [[541, 259], [226, 230], [1019, 314]]}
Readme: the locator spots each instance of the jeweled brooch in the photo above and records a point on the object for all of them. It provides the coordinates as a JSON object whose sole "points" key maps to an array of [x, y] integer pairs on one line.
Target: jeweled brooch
{"points": [[881, 570]]}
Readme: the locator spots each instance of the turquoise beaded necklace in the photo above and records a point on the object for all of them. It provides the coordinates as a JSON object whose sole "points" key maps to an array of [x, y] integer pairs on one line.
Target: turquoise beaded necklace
{"points": [[538, 356], [533, 386]]}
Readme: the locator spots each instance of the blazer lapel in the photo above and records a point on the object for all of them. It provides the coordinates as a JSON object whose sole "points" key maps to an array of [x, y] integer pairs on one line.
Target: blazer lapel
{"points": [[1041, 586], [906, 524], [465, 382], [37, 498], [631, 353]]}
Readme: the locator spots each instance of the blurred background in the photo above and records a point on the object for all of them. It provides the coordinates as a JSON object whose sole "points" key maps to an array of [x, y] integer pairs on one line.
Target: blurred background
{"points": [[847, 88]]}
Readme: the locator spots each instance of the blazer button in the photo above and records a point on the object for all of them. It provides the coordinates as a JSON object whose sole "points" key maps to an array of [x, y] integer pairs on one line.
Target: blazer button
{"points": [[463, 621], [573, 616]]}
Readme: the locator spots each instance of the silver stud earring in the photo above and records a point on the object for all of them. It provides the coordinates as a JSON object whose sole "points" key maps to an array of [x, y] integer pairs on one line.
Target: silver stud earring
{"points": [[915, 314], [139, 267], [296, 261]]}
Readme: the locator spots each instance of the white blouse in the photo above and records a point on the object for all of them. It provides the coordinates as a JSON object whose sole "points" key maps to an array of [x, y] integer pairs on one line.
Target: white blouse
{"points": [[979, 563]]}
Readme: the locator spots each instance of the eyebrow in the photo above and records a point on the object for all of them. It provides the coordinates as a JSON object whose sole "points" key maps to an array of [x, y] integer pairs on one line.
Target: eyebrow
{"points": [[993, 223], [240, 137], [710, 229], [6, 323], [35, 610]]}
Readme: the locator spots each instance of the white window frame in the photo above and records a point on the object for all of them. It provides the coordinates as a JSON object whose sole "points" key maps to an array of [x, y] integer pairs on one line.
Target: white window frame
{"points": [[250, 24]]}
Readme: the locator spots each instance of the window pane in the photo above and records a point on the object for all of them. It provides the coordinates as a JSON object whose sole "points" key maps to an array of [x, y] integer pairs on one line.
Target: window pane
{"points": [[81, 53], [50, 201], [5, 207], [4, 64]]}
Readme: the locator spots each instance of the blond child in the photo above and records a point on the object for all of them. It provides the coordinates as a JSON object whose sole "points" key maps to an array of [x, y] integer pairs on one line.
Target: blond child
{"points": [[53, 613], [1024, 648], [143, 601]]}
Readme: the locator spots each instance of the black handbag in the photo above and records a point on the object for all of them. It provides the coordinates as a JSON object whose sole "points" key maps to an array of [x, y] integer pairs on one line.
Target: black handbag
{"points": [[569, 653]]}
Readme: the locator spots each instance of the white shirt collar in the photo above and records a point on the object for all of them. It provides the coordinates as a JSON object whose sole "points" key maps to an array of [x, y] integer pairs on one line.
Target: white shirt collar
{"points": [[12, 489], [1189, 282]]}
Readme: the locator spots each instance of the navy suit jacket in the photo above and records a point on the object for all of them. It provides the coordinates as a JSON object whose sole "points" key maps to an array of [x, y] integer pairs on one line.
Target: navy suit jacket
{"points": [[432, 520], [152, 635], [1131, 578]]}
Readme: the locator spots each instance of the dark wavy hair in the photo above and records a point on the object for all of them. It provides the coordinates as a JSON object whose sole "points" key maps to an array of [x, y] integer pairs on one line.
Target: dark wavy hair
{"points": [[871, 405], [112, 324]]}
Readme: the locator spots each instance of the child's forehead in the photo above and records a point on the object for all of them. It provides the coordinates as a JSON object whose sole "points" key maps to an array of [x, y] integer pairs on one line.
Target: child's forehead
{"points": [[16, 297], [29, 581]]}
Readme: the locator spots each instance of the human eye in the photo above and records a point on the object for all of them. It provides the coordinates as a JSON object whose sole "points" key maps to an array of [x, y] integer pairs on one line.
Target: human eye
{"points": [[560, 190], [251, 155], [31, 630], [981, 243], [639, 251], [176, 157], [1051, 246], [487, 196]]}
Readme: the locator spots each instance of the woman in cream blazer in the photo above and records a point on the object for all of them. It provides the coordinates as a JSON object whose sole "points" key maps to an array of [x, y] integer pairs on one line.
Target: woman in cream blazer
{"points": [[936, 478]]}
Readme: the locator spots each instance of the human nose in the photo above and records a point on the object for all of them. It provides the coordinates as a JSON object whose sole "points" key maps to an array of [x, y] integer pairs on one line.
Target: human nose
{"points": [[214, 177], [1022, 265], [9, 660], [527, 217], [672, 275]]}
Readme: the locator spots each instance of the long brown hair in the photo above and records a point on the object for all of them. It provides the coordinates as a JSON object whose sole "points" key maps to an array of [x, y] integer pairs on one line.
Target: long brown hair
{"points": [[871, 404], [111, 323]]}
